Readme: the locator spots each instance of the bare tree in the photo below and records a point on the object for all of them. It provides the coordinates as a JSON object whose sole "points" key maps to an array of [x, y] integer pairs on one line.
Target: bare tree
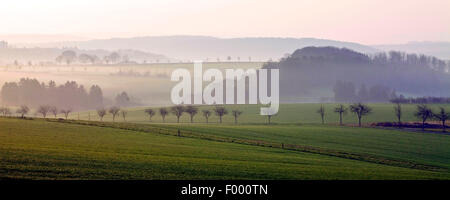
{"points": [[43, 110], [423, 113], [101, 113], [178, 111], [398, 113], [163, 112], [54, 110], [341, 110], [269, 117], [360, 110], [66, 112], [5, 111], [236, 114], [8, 112], [192, 111], [23, 110], [206, 114], [442, 116], [124, 114], [150, 112], [220, 111], [114, 111], [321, 112]]}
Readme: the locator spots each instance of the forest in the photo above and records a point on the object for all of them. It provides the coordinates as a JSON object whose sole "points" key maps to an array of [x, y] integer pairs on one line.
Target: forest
{"points": [[310, 70]]}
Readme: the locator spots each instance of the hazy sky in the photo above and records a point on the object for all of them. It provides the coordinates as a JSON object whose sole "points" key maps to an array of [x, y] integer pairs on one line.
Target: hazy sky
{"points": [[363, 21]]}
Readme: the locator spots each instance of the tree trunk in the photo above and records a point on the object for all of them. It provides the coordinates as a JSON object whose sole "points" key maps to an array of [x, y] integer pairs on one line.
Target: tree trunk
{"points": [[443, 126], [340, 119], [359, 121], [423, 125], [220, 119]]}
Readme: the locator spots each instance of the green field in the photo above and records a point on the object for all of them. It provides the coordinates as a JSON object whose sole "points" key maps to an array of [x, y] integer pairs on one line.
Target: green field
{"points": [[288, 113], [39, 149], [295, 146]]}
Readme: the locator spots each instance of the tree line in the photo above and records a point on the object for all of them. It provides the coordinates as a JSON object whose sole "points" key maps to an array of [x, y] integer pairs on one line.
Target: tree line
{"points": [[32, 93], [346, 91], [69, 56], [192, 111], [310, 68], [70, 95], [420, 100], [423, 113], [116, 111]]}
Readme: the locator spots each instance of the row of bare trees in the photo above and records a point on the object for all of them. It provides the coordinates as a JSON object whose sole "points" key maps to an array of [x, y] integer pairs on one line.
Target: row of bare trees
{"points": [[358, 109], [47, 109], [179, 110], [423, 112], [23, 110], [114, 111]]}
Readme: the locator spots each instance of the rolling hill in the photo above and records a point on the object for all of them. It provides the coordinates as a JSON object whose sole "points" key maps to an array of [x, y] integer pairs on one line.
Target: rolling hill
{"points": [[202, 47]]}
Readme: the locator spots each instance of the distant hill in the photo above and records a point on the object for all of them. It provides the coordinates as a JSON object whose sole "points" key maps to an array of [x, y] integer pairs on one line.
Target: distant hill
{"points": [[202, 47], [23, 55], [438, 49], [313, 72]]}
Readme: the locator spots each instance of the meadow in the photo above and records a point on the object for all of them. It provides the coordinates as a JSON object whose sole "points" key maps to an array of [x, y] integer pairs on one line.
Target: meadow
{"points": [[301, 113], [59, 149], [294, 146]]}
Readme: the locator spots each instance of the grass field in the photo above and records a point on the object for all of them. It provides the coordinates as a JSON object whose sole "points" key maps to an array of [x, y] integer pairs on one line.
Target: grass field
{"points": [[288, 114], [295, 146], [39, 149]]}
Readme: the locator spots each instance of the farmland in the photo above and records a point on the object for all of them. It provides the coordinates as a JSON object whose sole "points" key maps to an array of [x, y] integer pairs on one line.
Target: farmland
{"points": [[294, 146], [41, 149], [288, 114]]}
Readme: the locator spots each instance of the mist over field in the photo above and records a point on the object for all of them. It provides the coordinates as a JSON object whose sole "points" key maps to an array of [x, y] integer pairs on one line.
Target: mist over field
{"points": [[308, 74]]}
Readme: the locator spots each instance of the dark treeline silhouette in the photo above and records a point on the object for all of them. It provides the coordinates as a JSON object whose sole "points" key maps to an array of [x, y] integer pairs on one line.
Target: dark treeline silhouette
{"points": [[311, 69], [345, 91], [33, 93], [420, 100]]}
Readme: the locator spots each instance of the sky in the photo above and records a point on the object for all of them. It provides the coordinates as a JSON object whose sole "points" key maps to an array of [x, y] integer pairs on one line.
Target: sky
{"points": [[363, 21]]}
